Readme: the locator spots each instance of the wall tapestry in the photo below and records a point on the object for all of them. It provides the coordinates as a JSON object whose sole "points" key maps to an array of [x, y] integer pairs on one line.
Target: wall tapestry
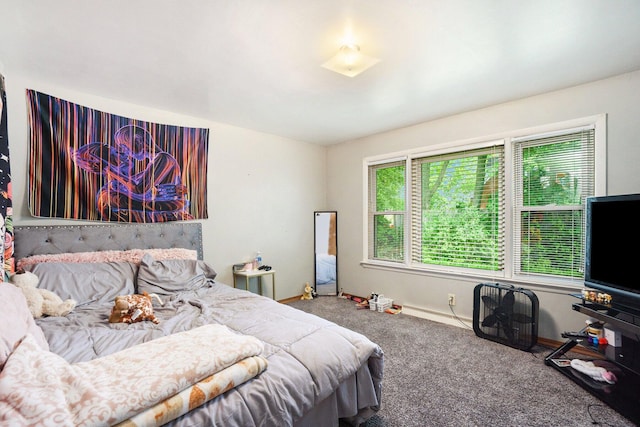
{"points": [[87, 164], [6, 206]]}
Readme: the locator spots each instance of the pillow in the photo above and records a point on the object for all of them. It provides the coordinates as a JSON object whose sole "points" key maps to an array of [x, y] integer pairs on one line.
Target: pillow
{"points": [[131, 255], [16, 322], [164, 277], [86, 282]]}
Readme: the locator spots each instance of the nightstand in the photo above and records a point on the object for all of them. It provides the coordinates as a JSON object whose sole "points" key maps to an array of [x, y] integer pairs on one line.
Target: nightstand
{"points": [[247, 275]]}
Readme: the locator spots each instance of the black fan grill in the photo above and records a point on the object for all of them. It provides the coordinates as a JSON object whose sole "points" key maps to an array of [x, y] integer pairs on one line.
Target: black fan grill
{"points": [[506, 314]]}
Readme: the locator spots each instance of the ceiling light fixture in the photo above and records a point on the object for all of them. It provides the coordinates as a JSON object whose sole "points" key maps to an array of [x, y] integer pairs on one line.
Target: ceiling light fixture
{"points": [[349, 61]]}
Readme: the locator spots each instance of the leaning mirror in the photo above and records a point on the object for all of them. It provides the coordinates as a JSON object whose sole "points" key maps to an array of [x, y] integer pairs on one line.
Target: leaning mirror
{"points": [[326, 252]]}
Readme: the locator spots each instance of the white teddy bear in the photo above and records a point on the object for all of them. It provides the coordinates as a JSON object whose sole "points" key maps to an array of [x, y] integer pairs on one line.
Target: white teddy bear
{"points": [[41, 302]]}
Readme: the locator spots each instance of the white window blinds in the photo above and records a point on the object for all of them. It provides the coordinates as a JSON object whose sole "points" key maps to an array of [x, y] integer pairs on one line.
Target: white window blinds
{"points": [[387, 196], [457, 209], [553, 176]]}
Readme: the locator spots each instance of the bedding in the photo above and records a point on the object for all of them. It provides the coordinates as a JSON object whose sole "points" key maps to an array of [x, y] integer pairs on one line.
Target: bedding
{"points": [[325, 269], [109, 390], [164, 277], [315, 372], [86, 282], [16, 322]]}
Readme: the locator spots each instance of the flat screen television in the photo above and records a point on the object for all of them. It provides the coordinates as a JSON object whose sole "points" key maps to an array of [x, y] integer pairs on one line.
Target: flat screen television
{"points": [[612, 257]]}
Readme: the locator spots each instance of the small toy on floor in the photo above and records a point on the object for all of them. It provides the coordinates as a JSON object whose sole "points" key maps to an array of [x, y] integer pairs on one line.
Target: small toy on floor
{"points": [[308, 292], [362, 303]]}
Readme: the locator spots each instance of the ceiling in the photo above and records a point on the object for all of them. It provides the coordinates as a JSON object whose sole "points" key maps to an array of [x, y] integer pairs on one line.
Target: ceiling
{"points": [[257, 63]]}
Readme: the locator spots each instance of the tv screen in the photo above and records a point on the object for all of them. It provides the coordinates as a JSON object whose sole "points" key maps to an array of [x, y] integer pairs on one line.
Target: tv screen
{"points": [[612, 259]]}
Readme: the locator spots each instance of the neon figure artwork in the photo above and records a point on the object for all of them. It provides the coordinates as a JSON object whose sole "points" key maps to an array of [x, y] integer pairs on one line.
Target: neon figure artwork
{"points": [[142, 183]]}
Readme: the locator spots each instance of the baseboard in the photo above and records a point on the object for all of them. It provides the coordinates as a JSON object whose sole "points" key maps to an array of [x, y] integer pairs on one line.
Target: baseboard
{"points": [[288, 300], [454, 320], [449, 319], [468, 323]]}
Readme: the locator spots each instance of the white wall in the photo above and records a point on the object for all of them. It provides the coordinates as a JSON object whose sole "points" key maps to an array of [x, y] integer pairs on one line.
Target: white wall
{"points": [[262, 189], [617, 97]]}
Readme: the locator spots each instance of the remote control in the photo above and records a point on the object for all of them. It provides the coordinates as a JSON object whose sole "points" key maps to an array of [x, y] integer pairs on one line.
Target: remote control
{"points": [[581, 335]]}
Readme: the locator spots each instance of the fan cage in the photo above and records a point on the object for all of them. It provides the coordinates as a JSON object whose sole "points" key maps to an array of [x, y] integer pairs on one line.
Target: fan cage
{"points": [[511, 330]]}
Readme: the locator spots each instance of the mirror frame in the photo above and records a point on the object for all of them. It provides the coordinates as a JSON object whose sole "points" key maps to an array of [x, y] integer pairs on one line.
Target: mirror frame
{"points": [[328, 288]]}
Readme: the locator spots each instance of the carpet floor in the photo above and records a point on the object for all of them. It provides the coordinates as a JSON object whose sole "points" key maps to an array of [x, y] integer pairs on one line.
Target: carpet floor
{"points": [[442, 375]]}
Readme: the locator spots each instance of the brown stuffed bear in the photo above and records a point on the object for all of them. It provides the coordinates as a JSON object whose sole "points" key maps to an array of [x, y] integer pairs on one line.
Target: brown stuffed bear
{"points": [[133, 308]]}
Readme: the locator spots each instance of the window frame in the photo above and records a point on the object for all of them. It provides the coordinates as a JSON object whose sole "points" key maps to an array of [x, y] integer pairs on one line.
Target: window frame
{"points": [[374, 213], [508, 139]]}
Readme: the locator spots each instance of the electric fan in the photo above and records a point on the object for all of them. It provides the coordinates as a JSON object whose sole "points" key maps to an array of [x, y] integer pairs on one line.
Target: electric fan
{"points": [[506, 314]]}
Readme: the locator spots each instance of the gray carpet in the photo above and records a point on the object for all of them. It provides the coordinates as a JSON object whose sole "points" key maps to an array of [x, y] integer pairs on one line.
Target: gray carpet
{"points": [[442, 375]]}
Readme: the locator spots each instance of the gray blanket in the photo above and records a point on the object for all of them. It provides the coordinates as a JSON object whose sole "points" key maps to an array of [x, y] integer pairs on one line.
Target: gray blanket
{"points": [[318, 371]]}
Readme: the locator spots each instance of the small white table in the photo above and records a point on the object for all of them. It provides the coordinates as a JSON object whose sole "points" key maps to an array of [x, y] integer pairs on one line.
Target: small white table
{"points": [[256, 273]]}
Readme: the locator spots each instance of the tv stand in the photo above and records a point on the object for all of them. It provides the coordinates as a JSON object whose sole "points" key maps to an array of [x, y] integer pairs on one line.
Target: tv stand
{"points": [[623, 396]]}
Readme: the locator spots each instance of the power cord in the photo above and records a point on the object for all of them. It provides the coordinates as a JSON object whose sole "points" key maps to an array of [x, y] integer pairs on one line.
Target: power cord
{"points": [[455, 316], [593, 420]]}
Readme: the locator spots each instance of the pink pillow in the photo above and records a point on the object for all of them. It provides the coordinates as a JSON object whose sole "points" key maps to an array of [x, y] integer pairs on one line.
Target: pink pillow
{"points": [[16, 322], [132, 255]]}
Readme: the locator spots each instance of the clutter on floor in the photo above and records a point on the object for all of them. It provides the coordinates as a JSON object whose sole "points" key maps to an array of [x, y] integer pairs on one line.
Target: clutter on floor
{"points": [[374, 302]]}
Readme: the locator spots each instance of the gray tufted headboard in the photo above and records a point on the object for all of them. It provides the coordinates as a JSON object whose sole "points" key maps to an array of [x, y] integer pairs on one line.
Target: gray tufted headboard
{"points": [[55, 239]]}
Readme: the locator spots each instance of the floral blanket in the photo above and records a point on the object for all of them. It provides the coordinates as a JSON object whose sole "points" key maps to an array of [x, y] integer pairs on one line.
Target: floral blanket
{"points": [[137, 386]]}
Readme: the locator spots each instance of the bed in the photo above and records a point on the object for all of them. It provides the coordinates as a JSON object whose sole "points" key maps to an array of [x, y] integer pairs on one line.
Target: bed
{"points": [[304, 370]]}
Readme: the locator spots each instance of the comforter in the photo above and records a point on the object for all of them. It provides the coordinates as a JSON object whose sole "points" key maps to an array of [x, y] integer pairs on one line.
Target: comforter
{"points": [[317, 371], [38, 387]]}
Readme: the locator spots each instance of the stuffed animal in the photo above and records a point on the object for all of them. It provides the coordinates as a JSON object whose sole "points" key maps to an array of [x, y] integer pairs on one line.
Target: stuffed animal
{"points": [[41, 302], [133, 308], [598, 373], [308, 292]]}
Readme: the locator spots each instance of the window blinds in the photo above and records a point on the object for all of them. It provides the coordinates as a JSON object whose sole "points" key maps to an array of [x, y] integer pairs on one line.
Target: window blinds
{"points": [[457, 209], [554, 174]]}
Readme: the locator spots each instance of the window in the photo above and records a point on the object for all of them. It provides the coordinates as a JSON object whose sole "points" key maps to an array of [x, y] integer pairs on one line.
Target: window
{"points": [[553, 176], [510, 208], [457, 202], [387, 211]]}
